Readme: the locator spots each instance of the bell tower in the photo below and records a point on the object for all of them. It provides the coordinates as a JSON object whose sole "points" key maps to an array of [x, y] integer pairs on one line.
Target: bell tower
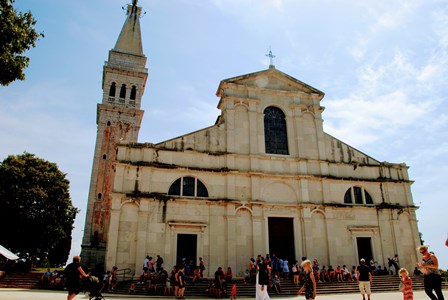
{"points": [[118, 121]]}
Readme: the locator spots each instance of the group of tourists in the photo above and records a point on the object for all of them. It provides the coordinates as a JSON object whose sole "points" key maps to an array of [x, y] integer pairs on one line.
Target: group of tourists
{"points": [[307, 274], [267, 276], [266, 272], [52, 279], [154, 275], [428, 266]]}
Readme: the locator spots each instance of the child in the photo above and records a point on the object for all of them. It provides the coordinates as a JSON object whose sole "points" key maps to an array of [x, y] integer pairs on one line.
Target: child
{"points": [[406, 284], [132, 289], [246, 277], [167, 288], [309, 287], [233, 294]]}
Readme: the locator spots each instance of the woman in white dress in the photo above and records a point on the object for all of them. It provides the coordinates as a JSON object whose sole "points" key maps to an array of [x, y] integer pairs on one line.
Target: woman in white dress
{"points": [[262, 281]]}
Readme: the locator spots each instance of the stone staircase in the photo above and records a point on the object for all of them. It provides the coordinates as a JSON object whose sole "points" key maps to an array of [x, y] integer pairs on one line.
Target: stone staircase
{"points": [[24, 280], [31, 280], [200, 289]]}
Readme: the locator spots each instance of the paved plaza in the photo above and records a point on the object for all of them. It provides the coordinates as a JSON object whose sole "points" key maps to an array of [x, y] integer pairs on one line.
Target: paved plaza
{"points": [[19, 294]]}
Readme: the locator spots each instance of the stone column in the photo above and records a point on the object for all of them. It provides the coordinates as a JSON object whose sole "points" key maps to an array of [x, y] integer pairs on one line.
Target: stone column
{"points": [[253, 128], [230, 126], [142, 228], [111, 253], [307, 229], [231, 237], [258, 235]]}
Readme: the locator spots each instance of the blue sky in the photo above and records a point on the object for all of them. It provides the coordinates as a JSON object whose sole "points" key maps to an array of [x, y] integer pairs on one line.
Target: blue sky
{"points": [[383, 66]]}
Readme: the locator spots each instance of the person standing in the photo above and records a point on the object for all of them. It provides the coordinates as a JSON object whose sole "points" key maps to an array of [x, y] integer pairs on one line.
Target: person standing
{"points": [[159, 263], [285, 269], [113, 278], [429, 266], [406, 284], [262, 280], [146, 264], [309, 287], [74, 273], [229, 275], [364, 277], [296, 272], [181, 278], [390, 264], [233, 293], [396, 263], [201, 266]]}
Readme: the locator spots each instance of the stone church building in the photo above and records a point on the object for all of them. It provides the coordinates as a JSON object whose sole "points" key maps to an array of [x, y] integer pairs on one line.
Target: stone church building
{"points": [[265, 178]]}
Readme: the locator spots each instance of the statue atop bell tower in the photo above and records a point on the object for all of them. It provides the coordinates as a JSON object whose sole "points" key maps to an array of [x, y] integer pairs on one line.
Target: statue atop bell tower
{"points": [[118, 121]]}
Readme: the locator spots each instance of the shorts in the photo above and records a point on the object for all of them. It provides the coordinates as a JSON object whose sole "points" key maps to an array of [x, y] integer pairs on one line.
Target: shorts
{"points": [[364, 287], [74, 289], [408, 296]]}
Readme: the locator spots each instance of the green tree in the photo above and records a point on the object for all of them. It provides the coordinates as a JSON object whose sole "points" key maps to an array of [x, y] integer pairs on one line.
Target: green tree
{"points": [[17, 35], [36, 212]]}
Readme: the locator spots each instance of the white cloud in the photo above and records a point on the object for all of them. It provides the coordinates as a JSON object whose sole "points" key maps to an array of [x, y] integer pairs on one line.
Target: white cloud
{"points": [[381, 18]]}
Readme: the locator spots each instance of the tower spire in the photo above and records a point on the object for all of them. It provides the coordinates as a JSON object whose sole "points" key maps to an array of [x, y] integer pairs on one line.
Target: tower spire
{"points": [[130, 39]]}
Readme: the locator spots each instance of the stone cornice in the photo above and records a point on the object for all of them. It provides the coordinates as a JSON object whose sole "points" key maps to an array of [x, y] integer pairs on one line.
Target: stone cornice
{"points": [[297, 176], [254, 202]]}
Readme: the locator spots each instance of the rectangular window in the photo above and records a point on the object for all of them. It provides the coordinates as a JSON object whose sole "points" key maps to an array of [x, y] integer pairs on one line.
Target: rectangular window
{"points": [[188, 186], [358, 195]]}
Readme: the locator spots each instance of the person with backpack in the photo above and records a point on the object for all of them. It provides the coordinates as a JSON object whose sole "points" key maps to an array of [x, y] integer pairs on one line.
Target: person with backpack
{"points": [[74, 273]]}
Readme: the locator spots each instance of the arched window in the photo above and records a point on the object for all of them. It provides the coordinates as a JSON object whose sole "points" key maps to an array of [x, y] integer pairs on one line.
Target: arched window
{"points": [[133, 93], [275, 137], [112, 90], [360, 195], [201, 189], [348, 196], [123, 91], [188, 186], [369, 199], [175, 188]]}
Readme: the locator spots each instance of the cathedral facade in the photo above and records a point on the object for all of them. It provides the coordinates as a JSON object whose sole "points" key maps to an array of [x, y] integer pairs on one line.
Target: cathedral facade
{"points": [[265, 178]]}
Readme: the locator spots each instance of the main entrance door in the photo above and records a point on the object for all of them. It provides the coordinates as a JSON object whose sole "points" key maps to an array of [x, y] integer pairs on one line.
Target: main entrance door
{"points": [[186, 248], [281, 238], [364, 248]]}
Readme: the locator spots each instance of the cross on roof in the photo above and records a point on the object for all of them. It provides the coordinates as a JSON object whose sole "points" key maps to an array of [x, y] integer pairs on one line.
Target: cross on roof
{"points": [[271, 57]]}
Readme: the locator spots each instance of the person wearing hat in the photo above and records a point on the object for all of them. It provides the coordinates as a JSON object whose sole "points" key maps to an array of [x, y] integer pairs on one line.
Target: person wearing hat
{"points": [[364, 277]]}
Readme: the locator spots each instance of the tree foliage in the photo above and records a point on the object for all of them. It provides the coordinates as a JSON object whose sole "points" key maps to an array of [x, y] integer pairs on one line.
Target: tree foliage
{"points": [[17, 35], [36, 212]]}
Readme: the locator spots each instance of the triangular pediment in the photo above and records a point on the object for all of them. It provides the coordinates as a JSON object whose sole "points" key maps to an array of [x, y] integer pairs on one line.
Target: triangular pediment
{"points": [[270, 79]]}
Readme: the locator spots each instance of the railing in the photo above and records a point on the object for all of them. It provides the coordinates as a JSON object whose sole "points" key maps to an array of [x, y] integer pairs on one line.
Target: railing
{"points": [[123, 272]]}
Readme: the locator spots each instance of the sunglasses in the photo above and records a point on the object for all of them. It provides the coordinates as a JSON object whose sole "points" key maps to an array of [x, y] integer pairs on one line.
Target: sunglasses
{"points": [[423, 251]]}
